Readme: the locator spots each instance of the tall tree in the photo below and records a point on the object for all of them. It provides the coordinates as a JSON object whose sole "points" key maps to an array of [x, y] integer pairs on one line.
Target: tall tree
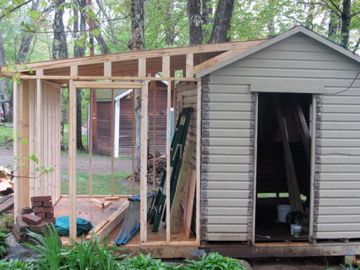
{"points": [[4, 94], [60, 49], [137, 42], [195, 21], [221, 26], [79, 34], [26, 39]]}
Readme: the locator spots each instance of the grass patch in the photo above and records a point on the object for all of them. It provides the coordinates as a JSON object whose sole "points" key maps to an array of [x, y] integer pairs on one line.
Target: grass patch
{"points": [[101, 184], [6, 134]]}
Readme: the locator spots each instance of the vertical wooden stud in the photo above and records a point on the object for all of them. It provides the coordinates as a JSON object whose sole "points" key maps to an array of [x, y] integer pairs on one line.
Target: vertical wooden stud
{"points": [[72, 153], [166, 73], [198, 157], [143, 154], [154, 133], [16, 130], [189, 65], [39, 184], [25, 187]]}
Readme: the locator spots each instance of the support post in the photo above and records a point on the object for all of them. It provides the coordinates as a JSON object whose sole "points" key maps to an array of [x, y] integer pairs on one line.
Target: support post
{"points": [[143, 153], [198, 157], [166, 73], [72, 153], [39, 189], [108, 73], [16, 130], [24, 151], [189, 65]]}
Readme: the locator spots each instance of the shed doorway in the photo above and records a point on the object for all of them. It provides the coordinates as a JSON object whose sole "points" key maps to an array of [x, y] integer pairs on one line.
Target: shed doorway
{"points": [[283, 167]]}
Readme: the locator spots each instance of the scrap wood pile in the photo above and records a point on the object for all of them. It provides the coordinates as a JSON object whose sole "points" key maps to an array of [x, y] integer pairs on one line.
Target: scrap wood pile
{"points": [[35, 219], [160, 167], [6, 181]]}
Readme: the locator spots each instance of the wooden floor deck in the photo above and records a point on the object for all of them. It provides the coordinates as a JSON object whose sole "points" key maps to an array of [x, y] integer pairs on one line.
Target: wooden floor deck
{"points": [[86, 209]]}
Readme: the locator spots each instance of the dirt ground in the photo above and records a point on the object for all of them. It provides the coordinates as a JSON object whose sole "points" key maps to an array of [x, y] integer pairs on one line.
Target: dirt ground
{"points": [[101, 164]]}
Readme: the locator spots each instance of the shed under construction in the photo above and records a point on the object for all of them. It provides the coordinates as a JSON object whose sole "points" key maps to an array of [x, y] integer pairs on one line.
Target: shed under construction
{"points": [[274, 122]]}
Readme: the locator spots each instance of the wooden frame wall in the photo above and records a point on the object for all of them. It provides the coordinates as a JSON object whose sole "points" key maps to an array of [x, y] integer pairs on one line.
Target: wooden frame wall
{"points": [[109, 82], [36, 132]]}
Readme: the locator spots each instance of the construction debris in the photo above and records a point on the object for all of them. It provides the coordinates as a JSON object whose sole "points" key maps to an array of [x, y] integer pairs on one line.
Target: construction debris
{"points": [[160, 167], [101, 204], [43, 207], [6, 183]]}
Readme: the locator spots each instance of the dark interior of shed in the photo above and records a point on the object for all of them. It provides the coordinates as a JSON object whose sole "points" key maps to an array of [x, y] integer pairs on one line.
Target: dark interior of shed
{"points": [[283, 167]]}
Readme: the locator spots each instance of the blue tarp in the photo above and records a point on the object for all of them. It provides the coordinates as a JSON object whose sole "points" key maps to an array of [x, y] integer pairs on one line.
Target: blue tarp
{"points": [[62, 225]]}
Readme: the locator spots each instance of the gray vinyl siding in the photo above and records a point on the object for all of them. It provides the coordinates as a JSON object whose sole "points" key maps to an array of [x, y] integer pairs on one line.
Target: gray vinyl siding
{"points": [[227, 161], [297, 64]]}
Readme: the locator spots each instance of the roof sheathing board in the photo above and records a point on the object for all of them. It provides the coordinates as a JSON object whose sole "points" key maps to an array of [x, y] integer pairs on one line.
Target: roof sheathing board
{"points": [[201, 50]]}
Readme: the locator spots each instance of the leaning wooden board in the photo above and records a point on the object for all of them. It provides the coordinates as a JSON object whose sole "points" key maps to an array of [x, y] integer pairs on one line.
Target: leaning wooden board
{"points": [[189, 204], [104, 228]]}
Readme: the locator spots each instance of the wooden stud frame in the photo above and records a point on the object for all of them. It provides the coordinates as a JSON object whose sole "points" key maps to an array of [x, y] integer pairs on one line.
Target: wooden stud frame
{"points": [[198, 157], [73, 86], [166, 73]]}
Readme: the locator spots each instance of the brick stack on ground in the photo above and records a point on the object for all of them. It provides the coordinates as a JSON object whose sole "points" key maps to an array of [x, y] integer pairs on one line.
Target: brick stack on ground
{"points": [[34, 219]]}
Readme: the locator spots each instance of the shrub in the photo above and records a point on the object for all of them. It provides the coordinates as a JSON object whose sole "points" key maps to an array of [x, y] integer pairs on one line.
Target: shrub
{"points": [[14, 265], [144, 262], [3, 244], [91, 255], [214, 261], [48, 248]]}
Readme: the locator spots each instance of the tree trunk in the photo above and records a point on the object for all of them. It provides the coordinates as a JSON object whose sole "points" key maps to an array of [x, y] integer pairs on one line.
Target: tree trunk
{"points": [[59, 43], [4, 91], [170, 26], [345, 23], [333, 23], [137, 42], [79, 50], [26, 40], [222, 21], [195, 21], [310, 16], [59, 51], [207, 19]]}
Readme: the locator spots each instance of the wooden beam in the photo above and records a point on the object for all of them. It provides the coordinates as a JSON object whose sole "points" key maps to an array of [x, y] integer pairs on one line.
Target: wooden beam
{"points": [[303, 129], [105, 85], [312, 169], [166, 73], [143, 154], [198, 157], [38, 130], [215, 60], [292, 183], [189, 65], [72, 153], [219, 47], [16, 130], [99, 78], [104, 228], [24, 151]]}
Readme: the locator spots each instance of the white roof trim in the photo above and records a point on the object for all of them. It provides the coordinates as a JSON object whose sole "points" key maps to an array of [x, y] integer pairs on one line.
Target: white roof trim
{"points": [[123, 94], [271, 41]]}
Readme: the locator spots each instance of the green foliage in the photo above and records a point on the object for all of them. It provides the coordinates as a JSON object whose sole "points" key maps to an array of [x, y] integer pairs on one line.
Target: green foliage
{"points": [[6, 134], [3, 244], [14, 265], [91, 255], [214, 261], [101, 183], [144, 262], [48, 247]]}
